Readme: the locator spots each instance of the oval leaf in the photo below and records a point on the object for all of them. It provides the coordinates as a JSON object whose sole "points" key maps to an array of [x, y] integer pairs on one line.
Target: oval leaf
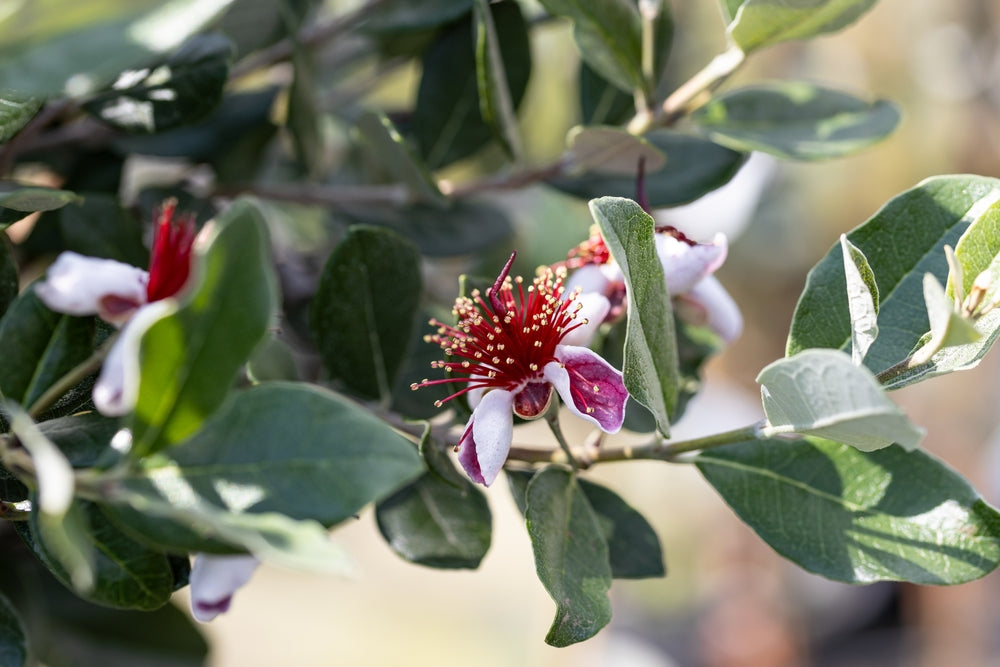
{"points": [[858, 517], [496, 105], [20, 201], [13, 643], [612, 150], [389, 149], [862, 300], [760, 23], [633, 547], [15, 114]]}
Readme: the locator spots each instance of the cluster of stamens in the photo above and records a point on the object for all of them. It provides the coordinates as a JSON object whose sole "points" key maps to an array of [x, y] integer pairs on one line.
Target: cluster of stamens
{"points": [[504, 340], [170, 261], [592, 251]]}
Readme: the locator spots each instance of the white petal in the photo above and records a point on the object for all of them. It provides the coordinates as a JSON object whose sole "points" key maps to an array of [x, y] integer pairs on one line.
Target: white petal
{"points": [[595, 390], [589, 278], [493, 431], [721, 312], [214, 580], [77, 285], [117, 388], [593, 309], [684, 264]]}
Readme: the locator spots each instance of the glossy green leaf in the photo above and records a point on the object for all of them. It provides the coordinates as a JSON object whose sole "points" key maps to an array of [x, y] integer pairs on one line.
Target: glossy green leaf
{"points": [[822, 393], [15, 112], [410, 15], [278, 448], [902, 241], [858, 517], [862, 300], [447, 122], [62, 51], [365, 308], [760, 23], [796, 121], [8, 275], [389, 149], [633, 547], [608, 34], [694, 167], [571, 555], [612, 150], [39, 346], [13, 642], [84, 438], [433, 523], [438, 462], [650, 365], [181, 89], [495, 104], [20, 201], [189, 358]]}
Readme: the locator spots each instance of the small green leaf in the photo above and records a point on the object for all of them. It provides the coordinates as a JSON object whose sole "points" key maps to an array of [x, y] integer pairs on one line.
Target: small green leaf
{"points": [[633, 547], [438, 462], [611, 150], [495, 104], [862, 300], [694, 167], [412, 15], [273, 360], [177, 91], [650, 367], [760, 23], [20, 201], [364, 310], [190, 357], [729, 8], [796, 121], [858, 517], [8, 275], [15, 112], [948, 328], [571, 555], [13, 642], [433, 523], [978, 249], [820, 392], [389, 149]]}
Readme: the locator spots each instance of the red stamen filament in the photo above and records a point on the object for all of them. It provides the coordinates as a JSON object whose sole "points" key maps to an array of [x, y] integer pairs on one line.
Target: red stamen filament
{"points": [[170, 262]]}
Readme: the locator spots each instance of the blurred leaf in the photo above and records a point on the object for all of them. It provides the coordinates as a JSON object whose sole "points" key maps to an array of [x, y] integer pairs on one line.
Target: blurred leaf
{"points": [[447, 123], [254, 24], [98, 226], [8, 276], [364, 309], [80, 52], [821, 392], [182, 89], [20, 201], [431, 522], [495, 104], [387, 147], [304, 114], [760, 23], [902, 241], [15, 112], [190, 357], [633, 547], [612, 151], [413, 15], [571, 555], [796, 121], [858, 517], [276, 450], [272, 361], [650, 366], [13, 643], [84, 439], [694, 167], [415, 367], [39, 347], [602, 103], [729, 8], [862, 300]]}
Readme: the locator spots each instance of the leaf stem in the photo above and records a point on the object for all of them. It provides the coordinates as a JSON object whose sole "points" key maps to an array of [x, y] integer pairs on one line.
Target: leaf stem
{"points": [[76, 375]]}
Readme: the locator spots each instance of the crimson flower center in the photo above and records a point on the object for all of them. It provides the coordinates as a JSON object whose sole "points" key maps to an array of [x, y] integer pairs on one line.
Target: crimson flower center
{"points": [[170, 261]]}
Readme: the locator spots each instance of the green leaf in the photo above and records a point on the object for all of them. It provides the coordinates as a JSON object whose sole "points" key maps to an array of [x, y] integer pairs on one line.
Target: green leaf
{"points": [[39, 346], [608, 34], [858, 517], [411, 15], [729, 8], [98, 226], [495, 104], [13, 643], [612, 150], [821, 392], [388, 148], [602, 103], [796, 121], [276, 449], [272, 360], [447, 122], [63, 51], [978, 249], [177, 91], [948, 328], [633, 547], [15, 112], [364, 310], [694, 167], [84, 439], [650, 368], [571, 555], [438, 462], [862, 300], [305, 118], [902, 241], [20, 201], [760, 23], [190, 357], [8, 276], [433, 523]]}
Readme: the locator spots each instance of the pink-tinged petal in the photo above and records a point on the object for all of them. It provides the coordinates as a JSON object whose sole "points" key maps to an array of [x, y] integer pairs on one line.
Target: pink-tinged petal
{"points": [[117, 387], [79, 285], [486, 442], [594, 308], [720, 312], [684, 264], [589, 278], [589, 386], [214, 580]]}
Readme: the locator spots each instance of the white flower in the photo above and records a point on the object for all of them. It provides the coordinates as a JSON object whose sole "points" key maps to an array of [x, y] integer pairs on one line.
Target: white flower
{"points": [[214, 581]]}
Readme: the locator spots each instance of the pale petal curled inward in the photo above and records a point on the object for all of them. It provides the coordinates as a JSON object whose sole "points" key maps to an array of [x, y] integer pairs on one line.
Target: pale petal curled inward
{"points": [[599, 278], [720, 312], [589, 386], [488, 436], [214, 580], [79, 285], [685, 264], [594, 308]]}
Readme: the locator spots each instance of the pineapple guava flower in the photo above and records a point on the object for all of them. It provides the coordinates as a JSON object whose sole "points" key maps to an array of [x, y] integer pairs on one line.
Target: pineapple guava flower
{"points": [[124, 296], [214, 581], [510, 350]]}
